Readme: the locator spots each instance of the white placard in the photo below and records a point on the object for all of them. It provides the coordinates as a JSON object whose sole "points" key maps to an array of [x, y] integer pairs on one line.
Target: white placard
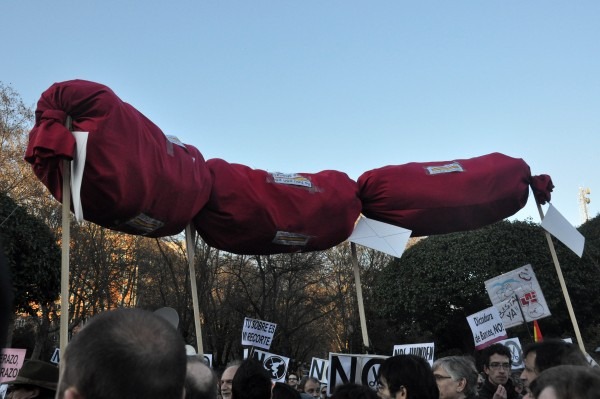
{"points": [[487, 327], [318, 369], [425, 351], [360, 369], [276, 365], [516, 352], [258, 333], [556, 224], [518, 288]]}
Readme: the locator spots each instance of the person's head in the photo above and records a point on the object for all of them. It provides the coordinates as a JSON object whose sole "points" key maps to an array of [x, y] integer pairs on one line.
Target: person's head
{"points": [[311, 386], [323, 391], [251, 381], [36, 379], [406, 377], [455, 376], [497, 363], [351, 390], [542, 355], [292, 380], [567, 382], [200, 381], [124, 353], [284, 391], [227, 378]]}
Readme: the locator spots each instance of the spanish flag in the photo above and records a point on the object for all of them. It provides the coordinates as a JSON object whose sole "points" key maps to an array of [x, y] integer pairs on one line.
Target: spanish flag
{"points": [[537, 333]]}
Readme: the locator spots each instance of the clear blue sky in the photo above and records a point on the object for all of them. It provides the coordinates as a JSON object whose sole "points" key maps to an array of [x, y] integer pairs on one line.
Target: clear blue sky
{"points": [[303, 86]]}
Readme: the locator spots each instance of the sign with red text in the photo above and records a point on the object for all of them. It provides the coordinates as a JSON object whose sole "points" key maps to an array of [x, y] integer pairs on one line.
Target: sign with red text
{"points": [[516, 294]]}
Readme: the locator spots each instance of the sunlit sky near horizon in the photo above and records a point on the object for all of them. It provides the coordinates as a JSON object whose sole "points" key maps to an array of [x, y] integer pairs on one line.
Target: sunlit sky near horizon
{"points": [[304, 86]]}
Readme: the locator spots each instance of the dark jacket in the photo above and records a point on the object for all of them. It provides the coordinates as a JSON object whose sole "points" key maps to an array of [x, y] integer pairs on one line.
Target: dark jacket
{"points": [[488, 389]]}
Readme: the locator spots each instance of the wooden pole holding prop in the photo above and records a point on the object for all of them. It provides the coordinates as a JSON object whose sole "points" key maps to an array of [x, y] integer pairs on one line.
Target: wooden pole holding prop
{"points": [[361, 306], [191, 254], [65, 251], [562, 284]]}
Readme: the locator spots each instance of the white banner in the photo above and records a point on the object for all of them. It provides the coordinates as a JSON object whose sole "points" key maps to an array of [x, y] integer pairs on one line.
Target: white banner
{"points": [[318, 369], [517, 288], [275, 365], [258, 333], [487, 327], [360, 369], [422, 350], [516, 352]]}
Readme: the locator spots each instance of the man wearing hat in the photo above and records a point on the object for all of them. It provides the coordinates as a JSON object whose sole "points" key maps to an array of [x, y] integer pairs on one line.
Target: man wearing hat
{"points": [[36, 379]]}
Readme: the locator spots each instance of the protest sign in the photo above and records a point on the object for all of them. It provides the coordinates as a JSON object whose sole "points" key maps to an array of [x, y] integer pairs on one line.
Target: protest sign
{"points": [[487, 327], [275, 365], [208, 359], [318, 369], [258, 333], [11, 361], [360, 369], [55, 356], [516, 353], [517, 289], [422, 350]]}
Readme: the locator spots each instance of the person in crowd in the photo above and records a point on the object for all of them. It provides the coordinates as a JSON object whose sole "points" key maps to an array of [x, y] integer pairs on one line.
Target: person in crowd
{"points": [[567, 382], [406, 377], [36, 379], [227, 379], [251, 381], [351, 390], [310, 387], [200, 380], [456, 377], [292, 380], [124, 353], [542, 355], [284, 391], [497, 366], [323, 391]]}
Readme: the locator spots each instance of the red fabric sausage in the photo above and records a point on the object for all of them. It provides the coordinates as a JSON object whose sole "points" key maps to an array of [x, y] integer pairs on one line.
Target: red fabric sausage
{"points": [[135, 180], [447, 196], [254, 212]]}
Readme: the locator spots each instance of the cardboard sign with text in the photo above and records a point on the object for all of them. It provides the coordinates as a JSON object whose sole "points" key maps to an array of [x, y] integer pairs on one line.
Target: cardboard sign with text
{"points": [[422, 350], [487, 327], [516, 352], [11, 361], [515, 294], [258, 333], [318, 369], [360, 369], [276, 365]]}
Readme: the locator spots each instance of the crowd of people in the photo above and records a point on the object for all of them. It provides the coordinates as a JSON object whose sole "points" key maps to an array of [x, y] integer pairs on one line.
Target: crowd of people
{"points": [[133, 353]]}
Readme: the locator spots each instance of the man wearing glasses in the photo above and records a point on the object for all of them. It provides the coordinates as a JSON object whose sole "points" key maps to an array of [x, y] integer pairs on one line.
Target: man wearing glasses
{"points": [[496, 365], [293, 380]]}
